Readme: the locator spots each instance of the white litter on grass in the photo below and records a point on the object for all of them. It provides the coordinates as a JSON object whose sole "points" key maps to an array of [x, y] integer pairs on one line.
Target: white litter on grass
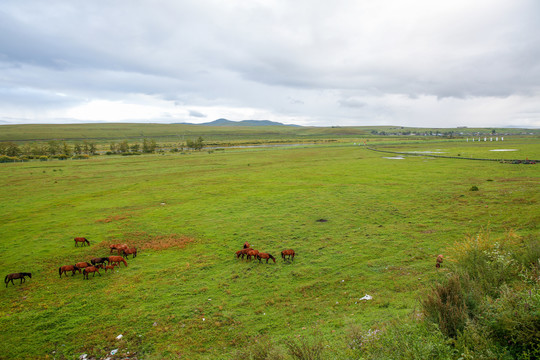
{"points": [[367, 297], [393, 157], [114, 351], [119, 337], [203, 319], [504, 150], [83, 357]]}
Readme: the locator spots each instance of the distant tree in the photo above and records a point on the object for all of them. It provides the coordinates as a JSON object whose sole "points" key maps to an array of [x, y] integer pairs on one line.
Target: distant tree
{"points": [[123, 147], [195, 145], [135, 147], [114, 147], [149, 146], [53, 147], [9, 149], [77, 149], [92, 148], [66, 149]]}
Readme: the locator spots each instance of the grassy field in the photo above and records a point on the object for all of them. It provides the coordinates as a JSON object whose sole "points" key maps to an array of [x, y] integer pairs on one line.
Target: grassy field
{"points": [[186, 294]]}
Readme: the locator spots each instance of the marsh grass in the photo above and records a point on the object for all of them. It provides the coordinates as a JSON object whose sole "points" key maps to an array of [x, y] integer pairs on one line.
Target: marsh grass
{"points": [[386, 222]]}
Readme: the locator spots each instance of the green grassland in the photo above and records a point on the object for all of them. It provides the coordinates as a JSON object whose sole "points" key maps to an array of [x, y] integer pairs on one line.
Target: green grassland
{"points": [[186, 294]]}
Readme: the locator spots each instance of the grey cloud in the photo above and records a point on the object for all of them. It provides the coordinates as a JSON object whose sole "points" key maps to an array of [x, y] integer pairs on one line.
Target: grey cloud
{"points": [[196, 114]]}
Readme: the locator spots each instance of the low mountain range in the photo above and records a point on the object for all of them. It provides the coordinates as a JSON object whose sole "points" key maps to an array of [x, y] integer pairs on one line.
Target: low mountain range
{"points": [[225, 122]]}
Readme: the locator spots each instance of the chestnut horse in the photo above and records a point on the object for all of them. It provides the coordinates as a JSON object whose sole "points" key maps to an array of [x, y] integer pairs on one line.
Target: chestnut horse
{"points": [[82, 265], [266, 256], [246, 245], [117, 260], [290, 253], [439, 261], [64, 269], [99, 260], [81, 240], [242, 252], [92, 269], [118, 248], [15, 276], [130, 251], [251, 253]]}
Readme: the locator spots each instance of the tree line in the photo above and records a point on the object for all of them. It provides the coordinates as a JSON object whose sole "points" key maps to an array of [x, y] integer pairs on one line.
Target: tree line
{"points": [[11, 151]]}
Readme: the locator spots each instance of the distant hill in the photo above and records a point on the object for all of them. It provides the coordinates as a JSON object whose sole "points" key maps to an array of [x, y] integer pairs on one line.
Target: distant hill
{"points": [[225, 122]]}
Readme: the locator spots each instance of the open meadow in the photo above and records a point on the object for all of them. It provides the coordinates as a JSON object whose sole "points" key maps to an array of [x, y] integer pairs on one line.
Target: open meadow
{"points": [[359, 221]]}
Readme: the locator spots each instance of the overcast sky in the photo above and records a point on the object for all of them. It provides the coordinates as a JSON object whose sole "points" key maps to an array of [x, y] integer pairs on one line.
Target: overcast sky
{"points": [[307, 62]]}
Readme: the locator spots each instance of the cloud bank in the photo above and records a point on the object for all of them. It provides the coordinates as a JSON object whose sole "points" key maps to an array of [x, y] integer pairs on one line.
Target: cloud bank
{"points": [[320, 63]]}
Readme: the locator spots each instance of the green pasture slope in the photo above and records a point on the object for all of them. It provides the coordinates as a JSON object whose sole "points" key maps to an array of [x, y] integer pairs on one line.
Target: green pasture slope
{"points": [[186, 294]]}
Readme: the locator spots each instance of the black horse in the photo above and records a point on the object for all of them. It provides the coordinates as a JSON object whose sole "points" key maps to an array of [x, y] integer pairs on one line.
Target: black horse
{"points": [[15, 276], [99, 260]]}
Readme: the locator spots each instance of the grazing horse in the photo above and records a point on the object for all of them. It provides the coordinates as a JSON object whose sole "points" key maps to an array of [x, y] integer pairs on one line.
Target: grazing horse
{"points": [[15, 276], [64, 269], [251, 253], [242, 252], [266, 256], [81, 240], [117, 260], [92, 269], [99, 260], [118, 248], [110, 267], [246, 245], [290, 253], [130, 251], [82, 265], [439, 261]]}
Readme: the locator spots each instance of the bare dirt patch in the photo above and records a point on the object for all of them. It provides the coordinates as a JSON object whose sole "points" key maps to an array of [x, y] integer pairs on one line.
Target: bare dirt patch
{"points": [[144, 241]]}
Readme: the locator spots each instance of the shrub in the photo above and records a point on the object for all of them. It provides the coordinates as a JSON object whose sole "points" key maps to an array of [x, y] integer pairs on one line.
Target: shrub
{"points": [[474, 188], [259, 348], [303, 348], [445, 305], [81, 157], [406, 340], [5, 159], [514, 320], [43, 158]]}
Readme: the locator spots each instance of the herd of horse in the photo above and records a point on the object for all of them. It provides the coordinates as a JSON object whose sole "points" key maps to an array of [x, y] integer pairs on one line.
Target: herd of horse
{"points": [[249, 253], [86, 268]]}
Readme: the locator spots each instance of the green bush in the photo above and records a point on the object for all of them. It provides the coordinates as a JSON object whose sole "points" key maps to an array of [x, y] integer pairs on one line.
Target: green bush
{"points": [[514, 321], [474, 188], [5, 159], [304, 348], [405, 340], [81, 157], [43, 158]]}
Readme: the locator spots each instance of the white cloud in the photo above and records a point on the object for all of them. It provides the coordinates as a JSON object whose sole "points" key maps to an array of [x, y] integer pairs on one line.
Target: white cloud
{"points": [[347, 62]]}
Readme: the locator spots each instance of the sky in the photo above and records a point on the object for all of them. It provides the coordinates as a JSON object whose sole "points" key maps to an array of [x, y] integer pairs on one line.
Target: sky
{"points": [[418, 63]]}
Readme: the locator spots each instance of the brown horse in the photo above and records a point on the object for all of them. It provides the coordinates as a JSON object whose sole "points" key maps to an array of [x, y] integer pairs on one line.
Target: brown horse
{"points": [[251, 253], [266, 256], [82, 240], [64, 269], [131, 251], [117, 260], [290, 253], [118, 248], [99, 260], [242, 252], [110, 267], [439, 261], [246, 245], [15, 276], [92, 269], [82, 265]]}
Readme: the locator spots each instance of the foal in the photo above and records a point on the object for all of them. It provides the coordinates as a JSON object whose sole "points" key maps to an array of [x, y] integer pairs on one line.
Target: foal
{"points": [[92, 269], [82, 240], [14, 276]]}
